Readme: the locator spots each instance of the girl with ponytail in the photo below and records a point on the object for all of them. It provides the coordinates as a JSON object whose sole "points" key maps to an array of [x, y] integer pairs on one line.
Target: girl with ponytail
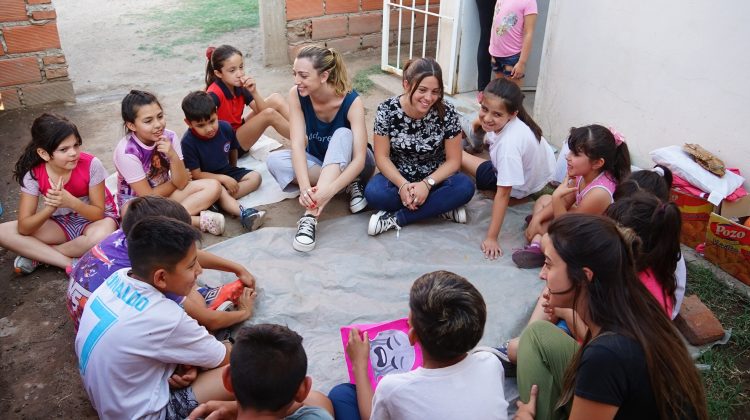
{"points": [[329, 140], [521, 161]]}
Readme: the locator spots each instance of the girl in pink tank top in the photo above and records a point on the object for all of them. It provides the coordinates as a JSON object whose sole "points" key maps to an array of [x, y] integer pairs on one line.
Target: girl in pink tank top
{"points": [[597, 161], [77, 210]]}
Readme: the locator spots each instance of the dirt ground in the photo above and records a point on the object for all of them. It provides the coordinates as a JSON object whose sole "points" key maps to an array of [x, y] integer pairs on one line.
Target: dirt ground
{"points": [[108, 48]]}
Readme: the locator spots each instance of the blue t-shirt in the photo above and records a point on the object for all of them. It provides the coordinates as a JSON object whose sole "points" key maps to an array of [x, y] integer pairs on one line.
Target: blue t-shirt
{"points": [[211, 155], [318, 132]]}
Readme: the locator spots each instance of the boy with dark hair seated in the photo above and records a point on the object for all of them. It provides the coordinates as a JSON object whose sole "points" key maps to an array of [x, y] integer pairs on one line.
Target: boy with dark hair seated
{"points": [[267, 375], [210, 150], [447, 316], [134, 344], [111, 254]]}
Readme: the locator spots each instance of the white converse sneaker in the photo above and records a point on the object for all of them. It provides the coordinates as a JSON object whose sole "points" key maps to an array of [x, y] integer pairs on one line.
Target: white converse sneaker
{"points": [[304, 240], [382, 221], [357, 201], [211, 222], [457, 215]]}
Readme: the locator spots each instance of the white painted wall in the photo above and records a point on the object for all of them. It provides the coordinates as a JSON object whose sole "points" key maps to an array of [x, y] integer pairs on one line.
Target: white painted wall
{"points": [[661, 72]]}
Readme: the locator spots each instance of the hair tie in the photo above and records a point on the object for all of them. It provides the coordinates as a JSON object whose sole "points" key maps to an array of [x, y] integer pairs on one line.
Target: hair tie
{"points": [[480, 97], [210, 52], [619, 138], [659, 170]]}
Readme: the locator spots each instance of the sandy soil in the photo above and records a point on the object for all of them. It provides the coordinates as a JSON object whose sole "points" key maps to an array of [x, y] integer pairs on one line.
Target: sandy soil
{"points": [[104, 44]]}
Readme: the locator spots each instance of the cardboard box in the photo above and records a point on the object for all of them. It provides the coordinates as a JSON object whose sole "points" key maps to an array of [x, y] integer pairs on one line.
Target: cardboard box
{"points": [[695, 214], [727, 242]]}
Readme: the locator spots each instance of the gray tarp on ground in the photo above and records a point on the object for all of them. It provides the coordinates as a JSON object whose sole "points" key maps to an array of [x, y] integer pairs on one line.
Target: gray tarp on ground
{"points": [[351, 277]]}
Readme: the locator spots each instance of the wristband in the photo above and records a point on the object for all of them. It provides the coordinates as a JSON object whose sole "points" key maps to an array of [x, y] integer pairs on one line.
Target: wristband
{"points": [[402, 186], [429, 187]]}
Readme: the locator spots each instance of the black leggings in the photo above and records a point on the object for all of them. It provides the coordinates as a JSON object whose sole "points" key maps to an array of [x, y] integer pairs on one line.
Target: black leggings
{"points": [[484, 60]]}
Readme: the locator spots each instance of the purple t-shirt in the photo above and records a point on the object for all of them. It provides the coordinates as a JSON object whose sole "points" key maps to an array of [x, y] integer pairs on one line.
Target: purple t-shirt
{"points": [[94, 267]]}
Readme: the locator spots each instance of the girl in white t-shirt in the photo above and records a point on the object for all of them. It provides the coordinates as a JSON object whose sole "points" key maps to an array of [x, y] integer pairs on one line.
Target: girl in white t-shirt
{"points": [[76, 209], [521, 162], [149, 162]]}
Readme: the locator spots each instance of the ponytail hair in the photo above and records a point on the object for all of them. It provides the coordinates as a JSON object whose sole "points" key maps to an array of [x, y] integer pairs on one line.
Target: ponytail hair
{"points": [[215, 60], [330, 60], [512, 98], [658, 225], [598, 142], [47, 132], [617, 301], [418, 69], [133, 101], [657, 181]]}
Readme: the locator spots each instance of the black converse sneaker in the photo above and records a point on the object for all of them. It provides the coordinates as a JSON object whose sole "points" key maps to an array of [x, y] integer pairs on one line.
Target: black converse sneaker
{"points": [[382, 221], [357, 201], [304, 240]]}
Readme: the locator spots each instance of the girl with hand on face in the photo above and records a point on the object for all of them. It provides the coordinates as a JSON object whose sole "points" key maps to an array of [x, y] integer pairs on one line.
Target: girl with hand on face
{"points": [[78, 211], [329, 140], [232, 90], [631, 363], [140, 174], [521, 161], [418, 151]]}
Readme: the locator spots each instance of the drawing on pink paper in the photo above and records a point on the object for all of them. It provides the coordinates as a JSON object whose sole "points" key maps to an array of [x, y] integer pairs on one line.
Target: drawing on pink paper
{"points": [[390, 350]]}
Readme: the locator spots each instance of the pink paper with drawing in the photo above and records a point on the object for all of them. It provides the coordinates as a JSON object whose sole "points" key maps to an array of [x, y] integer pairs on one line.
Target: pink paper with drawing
{"points": [[390, 351]]}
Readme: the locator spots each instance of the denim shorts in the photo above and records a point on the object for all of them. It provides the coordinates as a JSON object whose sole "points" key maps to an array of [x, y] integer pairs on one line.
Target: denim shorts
{"points": [[505, 65]]}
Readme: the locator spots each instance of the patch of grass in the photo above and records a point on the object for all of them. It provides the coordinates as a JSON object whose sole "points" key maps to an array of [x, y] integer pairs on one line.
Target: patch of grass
{"points": [[197, 21], [362, 83], [728, 381]]}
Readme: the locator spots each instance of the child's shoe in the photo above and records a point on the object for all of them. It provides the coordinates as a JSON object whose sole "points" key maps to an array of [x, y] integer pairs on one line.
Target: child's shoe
{"points": [[382, 221], [224, 297], [457, 215], [212, 222], [69, 268], [304, 240], [357, 201], [502, 354], [251, 218], [23, 265], [530, 256]]}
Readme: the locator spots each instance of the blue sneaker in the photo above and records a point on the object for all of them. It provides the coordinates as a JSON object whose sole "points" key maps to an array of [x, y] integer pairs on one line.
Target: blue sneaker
{"points": [[251, 218]]}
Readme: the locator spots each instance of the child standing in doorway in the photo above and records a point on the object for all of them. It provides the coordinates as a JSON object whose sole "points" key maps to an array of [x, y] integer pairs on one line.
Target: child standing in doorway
{"points": [[232, 90], [511, 37], [139, 174], [521, 162], [78, 211]]}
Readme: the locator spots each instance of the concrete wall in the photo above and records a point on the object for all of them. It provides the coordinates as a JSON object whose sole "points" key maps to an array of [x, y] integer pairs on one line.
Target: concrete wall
{"points": [[661, 72], [33, 69]]}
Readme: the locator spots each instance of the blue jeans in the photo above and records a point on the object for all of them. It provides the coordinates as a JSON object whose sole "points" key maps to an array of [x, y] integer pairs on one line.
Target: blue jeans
{"points": [[450, 194], [344, 400]]}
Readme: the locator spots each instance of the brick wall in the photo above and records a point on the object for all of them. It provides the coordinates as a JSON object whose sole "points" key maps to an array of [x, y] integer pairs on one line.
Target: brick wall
{"points": [[33, 69], [350, 25]]}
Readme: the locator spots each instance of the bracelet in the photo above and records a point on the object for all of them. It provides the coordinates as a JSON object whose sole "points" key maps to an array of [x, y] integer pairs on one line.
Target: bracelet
{"points": [[429, 187], [402, 186]]}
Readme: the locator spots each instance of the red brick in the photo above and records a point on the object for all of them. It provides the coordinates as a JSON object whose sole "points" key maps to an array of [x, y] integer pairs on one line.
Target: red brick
{"points": [[53, 59], [342, 45], [298, 9], [48, 92], [43, 14], [10, 99], [329, 27], [56, 73], [697, 323], [341, 6], [372, 5], [19, 70], [12, 10], [372, 41], [31, 38], [40, 1], [369, 23]]}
